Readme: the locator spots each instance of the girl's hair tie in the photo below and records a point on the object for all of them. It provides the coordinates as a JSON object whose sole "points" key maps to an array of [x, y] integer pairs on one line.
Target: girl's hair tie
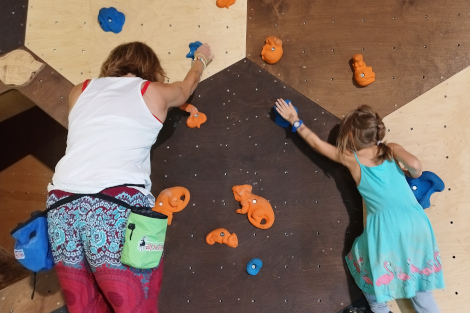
{"points": [[379, 142]]}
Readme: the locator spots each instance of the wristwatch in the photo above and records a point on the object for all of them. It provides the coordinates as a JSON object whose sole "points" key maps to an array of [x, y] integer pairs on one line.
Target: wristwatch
{"points": [[296, 125]]}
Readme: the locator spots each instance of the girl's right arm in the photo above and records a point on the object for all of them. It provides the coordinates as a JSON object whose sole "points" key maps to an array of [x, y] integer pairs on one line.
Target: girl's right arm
{"points": [[288, 112], [411, 163]]}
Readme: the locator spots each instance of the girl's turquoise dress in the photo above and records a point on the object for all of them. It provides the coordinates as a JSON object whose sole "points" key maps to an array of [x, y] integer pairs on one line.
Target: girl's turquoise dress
{"points": [[396, 255]]}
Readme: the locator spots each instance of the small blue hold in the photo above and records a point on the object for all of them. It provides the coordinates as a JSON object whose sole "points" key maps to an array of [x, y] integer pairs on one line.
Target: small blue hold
{"points": [[424, 186], [192, 48], [253, 266], [111, 20], [279, 120]]}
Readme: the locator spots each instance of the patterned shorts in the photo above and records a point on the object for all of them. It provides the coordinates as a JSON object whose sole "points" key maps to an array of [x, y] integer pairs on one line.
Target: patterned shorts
{"points": [[87, 236]]}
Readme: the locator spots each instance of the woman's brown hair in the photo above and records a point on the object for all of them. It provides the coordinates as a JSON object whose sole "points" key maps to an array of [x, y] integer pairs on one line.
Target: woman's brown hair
{"points": [[133, 58], [363, 128]]}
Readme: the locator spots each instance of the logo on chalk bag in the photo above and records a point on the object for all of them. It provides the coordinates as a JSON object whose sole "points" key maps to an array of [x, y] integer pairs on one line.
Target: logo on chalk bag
{"points": [[19, 254], [147, 246]]}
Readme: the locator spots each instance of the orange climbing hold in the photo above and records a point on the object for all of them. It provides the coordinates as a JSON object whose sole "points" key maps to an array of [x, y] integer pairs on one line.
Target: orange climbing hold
{"points": [[195, 118], [224, 3], [221, 235], [272, 50], [171, 200], [362, 74], [259, 210]]}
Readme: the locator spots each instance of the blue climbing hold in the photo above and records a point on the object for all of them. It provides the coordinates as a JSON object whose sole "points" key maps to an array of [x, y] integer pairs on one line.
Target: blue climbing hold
{"points": [[192, 48], [111, 20], [424, 186], [253, 266], [279, 120]]}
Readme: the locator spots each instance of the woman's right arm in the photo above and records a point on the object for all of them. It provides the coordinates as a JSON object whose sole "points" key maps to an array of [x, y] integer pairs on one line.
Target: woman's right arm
{"points": [[160, 97], [411, 163]]}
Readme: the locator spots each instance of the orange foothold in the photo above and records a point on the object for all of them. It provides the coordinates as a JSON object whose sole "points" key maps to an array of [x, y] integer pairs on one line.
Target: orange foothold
{"points": [[195, 118], [272, 50], [171, 200], [224, 3], [362, 74], [221, 235], [259, 211]]}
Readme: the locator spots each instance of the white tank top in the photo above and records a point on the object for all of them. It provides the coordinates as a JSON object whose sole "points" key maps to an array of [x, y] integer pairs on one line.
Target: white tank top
{"points": [[111, 131]]}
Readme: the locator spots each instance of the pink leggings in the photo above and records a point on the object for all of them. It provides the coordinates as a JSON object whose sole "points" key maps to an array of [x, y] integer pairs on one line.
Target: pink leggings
{"points": [[86, 237], [110, 290]]}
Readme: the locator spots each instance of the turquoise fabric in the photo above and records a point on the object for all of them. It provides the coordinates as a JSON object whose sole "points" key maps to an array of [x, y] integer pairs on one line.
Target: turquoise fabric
{"points": [[397, 254]]}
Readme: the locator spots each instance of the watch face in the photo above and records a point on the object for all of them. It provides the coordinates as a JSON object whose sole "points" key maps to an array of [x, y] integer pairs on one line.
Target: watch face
{"points": [[296, 124]]}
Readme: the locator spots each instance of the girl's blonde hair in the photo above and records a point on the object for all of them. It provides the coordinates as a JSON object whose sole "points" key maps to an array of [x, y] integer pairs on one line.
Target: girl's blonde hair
{"points": [[363, 128], [133, 58]]}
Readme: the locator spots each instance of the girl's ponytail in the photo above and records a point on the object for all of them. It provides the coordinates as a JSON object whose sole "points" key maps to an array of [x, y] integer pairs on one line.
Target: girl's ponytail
{"points": [[363, 128], [383, 151]]}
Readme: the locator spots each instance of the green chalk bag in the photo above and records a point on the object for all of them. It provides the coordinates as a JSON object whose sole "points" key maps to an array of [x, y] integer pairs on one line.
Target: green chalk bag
{"points": [[144, 238]]}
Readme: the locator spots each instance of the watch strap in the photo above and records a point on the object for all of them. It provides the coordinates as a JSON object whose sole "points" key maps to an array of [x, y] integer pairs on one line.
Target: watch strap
{"points": [[296, 125]]}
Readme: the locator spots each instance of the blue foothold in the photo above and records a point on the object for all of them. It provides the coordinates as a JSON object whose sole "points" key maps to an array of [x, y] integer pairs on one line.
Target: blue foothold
{"points": [[192, 48], [253, 266], [424, 186], [111, 20], [279, 120]]}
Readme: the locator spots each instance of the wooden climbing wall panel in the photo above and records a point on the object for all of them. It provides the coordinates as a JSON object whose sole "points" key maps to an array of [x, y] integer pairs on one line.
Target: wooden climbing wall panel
{"points": [[73, 33], [434, 127], [411, 46], [317, 209]]}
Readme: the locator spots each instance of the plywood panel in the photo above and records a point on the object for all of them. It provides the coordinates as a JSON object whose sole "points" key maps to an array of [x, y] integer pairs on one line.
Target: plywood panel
{"points": [[68, 37], [411, 45], [22, 191], [47, 296], [434, 127]]}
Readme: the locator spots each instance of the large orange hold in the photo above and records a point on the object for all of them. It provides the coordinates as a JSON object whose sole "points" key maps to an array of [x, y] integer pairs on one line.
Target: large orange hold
{"points": [[195, 118], [362, 73], [171, 200], [224, 3], [259, 210], [272, 50], [221, 235]]}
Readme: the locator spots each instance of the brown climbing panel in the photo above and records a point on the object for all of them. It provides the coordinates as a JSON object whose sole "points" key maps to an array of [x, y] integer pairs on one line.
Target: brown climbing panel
{"points": [[12, 24], [411, 45], [318, 211]]}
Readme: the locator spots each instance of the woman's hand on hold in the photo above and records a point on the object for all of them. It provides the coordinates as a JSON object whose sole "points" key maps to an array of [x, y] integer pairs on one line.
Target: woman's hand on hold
{"points": [[205, 53]]}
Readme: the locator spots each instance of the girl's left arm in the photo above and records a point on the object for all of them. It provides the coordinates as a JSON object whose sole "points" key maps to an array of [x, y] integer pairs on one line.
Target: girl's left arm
{"points": [[288, 112], [411, 162]]}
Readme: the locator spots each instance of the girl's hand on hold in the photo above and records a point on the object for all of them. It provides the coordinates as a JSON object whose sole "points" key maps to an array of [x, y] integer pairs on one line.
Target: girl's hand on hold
{"points": [[204, 52], [287, 111]]}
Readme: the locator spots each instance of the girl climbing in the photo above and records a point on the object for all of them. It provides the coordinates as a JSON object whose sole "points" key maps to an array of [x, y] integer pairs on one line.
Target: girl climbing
{"points": [[396, 256]]}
